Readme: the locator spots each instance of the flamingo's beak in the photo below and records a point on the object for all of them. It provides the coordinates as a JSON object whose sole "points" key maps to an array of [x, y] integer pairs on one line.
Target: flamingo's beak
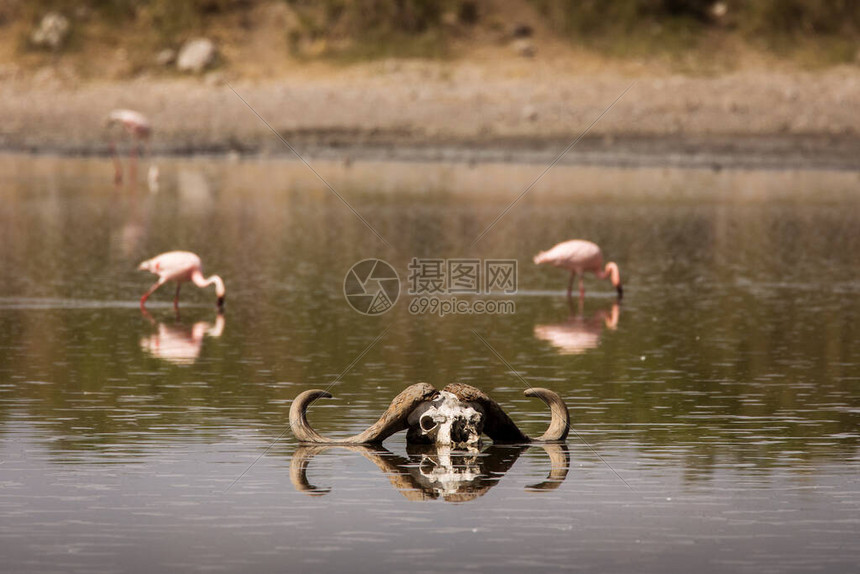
{"points": [[220, 303], [620, 291]]}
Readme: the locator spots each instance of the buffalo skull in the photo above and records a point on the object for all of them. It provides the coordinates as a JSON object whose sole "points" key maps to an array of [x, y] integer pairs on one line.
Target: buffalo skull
{"points": [[456, 416]]}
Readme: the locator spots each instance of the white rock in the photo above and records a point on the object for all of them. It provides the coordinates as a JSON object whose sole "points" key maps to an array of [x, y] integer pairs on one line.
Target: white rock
{"points": [[196, 55], [165, 57], [524, 47], [52, 31]]}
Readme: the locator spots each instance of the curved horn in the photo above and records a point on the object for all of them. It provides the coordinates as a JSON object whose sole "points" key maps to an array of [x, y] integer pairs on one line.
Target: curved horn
{"points": [[559, 425], [299, 470], [396, 468], [391, 421], [559, 460], [399, 472], [499, 426]]}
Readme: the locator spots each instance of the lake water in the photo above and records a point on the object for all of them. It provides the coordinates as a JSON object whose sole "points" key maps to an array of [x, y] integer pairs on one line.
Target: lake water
{"points": [[716, 411]]}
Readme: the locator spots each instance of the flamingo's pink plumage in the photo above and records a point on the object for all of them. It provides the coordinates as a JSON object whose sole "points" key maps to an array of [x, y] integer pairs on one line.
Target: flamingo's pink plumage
{"points": [[580, 256], [179, 267], [135, 123], [140, 129]]}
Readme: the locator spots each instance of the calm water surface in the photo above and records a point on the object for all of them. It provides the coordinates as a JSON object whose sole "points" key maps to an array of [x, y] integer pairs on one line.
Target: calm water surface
{"points": [[716, 411]]}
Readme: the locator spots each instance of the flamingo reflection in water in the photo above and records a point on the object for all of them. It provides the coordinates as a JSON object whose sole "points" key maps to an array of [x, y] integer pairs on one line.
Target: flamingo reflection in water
{"points": [[433, 472], [180, 344], [579, 334], [139, 129]]}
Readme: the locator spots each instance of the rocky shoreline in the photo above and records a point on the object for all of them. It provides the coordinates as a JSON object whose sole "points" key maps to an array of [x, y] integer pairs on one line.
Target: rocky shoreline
{"points": [[458, 112]]}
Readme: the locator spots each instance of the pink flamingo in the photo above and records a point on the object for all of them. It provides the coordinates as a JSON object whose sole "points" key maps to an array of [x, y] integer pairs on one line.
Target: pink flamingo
{"points": [[581, 256], [140, 130], [179, 266]]}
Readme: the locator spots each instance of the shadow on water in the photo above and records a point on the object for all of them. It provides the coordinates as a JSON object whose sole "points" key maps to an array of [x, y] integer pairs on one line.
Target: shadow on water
{"points": [[430, 472]]}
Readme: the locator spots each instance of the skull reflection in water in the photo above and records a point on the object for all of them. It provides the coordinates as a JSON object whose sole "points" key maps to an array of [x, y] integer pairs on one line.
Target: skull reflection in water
{"points": [[450, 474]]}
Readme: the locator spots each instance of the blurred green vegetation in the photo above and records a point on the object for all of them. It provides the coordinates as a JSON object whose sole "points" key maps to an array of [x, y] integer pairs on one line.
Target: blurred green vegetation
{"points": [[168, 19], [368, 29], [829, 28], [780, 17], [825, 31]]}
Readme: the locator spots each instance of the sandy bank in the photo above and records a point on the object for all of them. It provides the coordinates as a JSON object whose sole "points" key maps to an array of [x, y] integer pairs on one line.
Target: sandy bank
{"points": [[427, 111]]}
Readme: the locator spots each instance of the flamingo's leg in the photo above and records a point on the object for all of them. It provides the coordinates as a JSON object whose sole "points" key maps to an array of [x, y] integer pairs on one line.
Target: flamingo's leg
{"points": [[132, 160], [570, 284], [176, 297], [152, 171], [117, 164], [151, 290], [146, 315], [581, 288]]}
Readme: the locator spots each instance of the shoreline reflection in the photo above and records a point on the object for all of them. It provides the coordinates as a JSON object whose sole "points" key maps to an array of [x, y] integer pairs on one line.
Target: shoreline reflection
{"points": [[430, 472]]}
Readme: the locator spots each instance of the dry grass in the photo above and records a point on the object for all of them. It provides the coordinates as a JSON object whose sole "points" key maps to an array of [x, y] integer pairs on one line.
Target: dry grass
{"points": [[118, 39]]}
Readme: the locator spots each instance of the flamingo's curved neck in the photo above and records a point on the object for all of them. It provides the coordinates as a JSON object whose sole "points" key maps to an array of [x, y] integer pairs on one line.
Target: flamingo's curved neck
{"points": [[611, 271], [198, 279], [612, 320]]}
